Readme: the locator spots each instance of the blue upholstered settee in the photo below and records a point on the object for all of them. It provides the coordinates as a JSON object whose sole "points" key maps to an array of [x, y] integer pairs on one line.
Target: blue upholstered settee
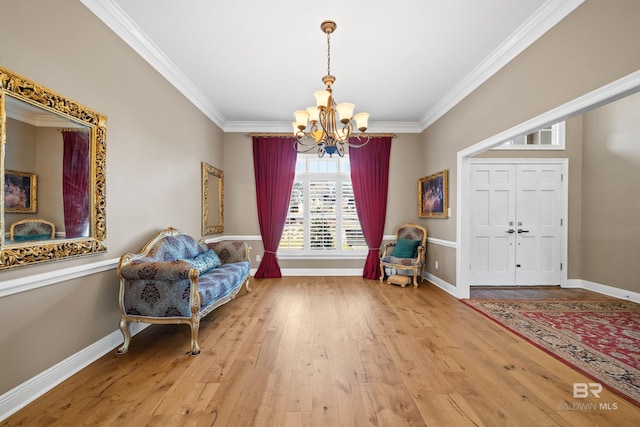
{"points": [[177, 279]]}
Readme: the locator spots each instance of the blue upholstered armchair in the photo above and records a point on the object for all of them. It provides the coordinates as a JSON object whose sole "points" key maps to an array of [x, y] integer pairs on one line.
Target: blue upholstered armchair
{"points": [[406, 254]]}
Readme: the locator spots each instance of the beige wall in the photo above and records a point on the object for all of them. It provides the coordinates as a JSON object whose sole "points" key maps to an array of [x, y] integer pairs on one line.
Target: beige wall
{"points": [[156, 140], [611, 209], [593, 46], [20, 160]]}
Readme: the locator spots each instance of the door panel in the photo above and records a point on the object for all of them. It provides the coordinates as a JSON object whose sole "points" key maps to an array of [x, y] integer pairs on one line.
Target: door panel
{"points": [[493, 206], [538, 210]]}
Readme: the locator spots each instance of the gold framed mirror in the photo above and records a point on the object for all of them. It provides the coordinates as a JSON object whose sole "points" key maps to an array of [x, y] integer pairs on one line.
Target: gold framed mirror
{"points": [[212, 200], [63, 143]]}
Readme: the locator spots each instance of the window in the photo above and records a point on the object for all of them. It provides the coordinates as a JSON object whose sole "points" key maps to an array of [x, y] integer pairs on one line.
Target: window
{"points": [[548, 138], [322, 218]]}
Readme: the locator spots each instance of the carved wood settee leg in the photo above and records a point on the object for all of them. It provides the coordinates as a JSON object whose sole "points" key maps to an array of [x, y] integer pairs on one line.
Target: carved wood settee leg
{"points": [[126, 333], [195, 327], [246, 285]]}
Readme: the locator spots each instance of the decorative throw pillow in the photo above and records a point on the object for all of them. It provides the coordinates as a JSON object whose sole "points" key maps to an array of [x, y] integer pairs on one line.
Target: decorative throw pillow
{"points": [[405, 248], [205, 261]]}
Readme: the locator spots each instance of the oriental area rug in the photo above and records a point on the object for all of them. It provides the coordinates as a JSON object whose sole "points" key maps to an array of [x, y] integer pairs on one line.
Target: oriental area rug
{"points": [[599, 339]]}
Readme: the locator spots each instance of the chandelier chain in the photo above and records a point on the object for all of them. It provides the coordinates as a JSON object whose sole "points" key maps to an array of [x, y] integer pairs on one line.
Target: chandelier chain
{"points": [[328, 54]]}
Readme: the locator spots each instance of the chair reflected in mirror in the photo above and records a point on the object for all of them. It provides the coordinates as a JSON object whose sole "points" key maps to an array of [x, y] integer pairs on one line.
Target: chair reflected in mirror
{"points": [[32, 229], [406, 255]]}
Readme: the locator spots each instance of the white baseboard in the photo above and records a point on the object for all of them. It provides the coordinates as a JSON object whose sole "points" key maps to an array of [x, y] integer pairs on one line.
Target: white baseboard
{"points": [[316, 272], [321, 272], [30, 390], [445, 286], [604, 289]]}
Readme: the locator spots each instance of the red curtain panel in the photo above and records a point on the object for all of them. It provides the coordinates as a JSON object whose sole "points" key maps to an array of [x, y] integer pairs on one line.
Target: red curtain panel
{"points": [[75, 183], [274, 163], [370, 180]]}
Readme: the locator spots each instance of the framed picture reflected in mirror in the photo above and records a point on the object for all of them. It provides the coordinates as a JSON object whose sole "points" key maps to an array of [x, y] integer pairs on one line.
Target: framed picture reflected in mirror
{"points": [[20, 192]]}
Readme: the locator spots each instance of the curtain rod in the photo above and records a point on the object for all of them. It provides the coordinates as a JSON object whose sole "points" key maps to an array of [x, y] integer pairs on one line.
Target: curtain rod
{"points": [[267, 134], [73, 130]]}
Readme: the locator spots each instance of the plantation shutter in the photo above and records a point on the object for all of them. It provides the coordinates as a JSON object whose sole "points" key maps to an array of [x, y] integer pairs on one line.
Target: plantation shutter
{"points": [[322, 215], [352, 237], [293, 234]]}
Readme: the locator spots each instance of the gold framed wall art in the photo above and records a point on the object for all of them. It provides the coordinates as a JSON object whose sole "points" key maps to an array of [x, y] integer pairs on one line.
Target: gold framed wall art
{"points": [[433, 195]]}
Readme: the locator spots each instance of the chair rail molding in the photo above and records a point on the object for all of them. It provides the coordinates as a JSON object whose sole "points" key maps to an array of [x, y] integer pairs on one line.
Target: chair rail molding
{"points": [[442, 242], [28, 283]]}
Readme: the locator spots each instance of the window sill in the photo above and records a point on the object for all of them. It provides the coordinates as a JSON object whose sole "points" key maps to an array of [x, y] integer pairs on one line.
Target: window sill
{"points": [[361, 255], [530, 148]]}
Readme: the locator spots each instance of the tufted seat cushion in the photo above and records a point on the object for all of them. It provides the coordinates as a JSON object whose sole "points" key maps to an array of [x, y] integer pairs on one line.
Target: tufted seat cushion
{"points": [[220, 281], [401, 261]]}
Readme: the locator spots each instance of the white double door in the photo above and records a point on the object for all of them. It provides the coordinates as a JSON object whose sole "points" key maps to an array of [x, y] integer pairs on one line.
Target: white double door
{"points": [[516, 224]]}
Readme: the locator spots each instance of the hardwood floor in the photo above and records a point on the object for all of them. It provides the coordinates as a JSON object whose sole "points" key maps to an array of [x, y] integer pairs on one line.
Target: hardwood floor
{"points": [[325, 351]]}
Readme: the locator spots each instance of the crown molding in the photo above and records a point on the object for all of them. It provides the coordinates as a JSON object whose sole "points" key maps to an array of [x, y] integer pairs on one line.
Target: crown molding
{"points": [[109, 12], [243, 126], [285, 127], [545, 18]]}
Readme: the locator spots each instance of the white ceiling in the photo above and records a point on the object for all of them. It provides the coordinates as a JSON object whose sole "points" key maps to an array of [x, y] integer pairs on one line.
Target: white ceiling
{"points": [[248, 64]]}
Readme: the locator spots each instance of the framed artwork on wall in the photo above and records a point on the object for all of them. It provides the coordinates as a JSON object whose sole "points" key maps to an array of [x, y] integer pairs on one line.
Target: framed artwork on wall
{"points": [[19, 192], [433, 195]]}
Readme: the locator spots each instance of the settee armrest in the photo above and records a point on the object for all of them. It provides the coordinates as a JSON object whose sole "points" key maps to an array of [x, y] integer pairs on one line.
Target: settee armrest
{"points": [[160, 270], [231, 251]]}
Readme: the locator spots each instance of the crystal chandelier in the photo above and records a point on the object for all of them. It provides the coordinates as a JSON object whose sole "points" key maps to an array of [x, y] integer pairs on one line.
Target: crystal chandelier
{"points": [[331, 125]]}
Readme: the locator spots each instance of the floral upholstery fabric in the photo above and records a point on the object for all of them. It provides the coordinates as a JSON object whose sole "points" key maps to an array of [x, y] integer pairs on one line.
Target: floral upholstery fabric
{"points": [[32, 230], [230, 251], [400, 261], [148, 269], [172, 248], [166, 298], [221, 281], [157, 298], [410, 233], [158, 285]]}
